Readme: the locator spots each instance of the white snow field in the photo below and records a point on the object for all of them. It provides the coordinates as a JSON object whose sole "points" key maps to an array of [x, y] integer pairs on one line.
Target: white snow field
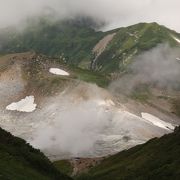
{"points": [[157, 122], [58, 71], [24, 105]]}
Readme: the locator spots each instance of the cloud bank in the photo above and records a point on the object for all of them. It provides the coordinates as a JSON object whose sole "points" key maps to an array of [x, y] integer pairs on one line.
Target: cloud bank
{"points": [[115, 12], [159, 67]]}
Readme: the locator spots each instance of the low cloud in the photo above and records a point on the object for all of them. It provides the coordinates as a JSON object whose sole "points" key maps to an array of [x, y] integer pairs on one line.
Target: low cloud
{"points": [[158, 67], [115, 12]]}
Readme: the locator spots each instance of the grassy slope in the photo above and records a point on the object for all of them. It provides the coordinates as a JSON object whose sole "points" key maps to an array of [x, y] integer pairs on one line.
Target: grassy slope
{"points": [[156, 159], [101, 80], [19, 161], [64, 166]]}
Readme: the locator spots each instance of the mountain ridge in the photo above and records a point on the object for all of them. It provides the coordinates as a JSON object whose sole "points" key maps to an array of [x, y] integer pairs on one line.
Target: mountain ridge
{"points": [[94, 57], [74, 42]]}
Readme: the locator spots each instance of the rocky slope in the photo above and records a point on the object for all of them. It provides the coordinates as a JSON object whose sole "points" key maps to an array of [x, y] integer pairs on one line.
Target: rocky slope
{"points": [[53, 111]]}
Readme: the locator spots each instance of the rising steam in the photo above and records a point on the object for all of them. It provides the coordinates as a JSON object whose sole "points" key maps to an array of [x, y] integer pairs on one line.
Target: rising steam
{"points": [[158, 67]]}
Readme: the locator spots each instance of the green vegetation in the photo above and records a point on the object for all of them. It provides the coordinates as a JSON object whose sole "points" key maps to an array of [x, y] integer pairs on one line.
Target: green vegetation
{"points": [[141, 93], [157, 159], [92, 77], [64, 166], [19, 161]]}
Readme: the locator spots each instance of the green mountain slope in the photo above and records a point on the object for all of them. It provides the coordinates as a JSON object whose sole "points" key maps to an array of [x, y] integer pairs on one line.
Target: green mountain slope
{"points": [[70, 40], [73, 41], [156, 159], [19, 161], [131, 41]]}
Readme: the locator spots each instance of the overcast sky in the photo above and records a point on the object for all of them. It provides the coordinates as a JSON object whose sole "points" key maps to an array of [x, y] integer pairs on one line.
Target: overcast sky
{"points": [[116, 12]]}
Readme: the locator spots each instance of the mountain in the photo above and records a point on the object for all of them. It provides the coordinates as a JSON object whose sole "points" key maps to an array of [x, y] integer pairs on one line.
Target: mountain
{"points": [[20, 161], [157, 159], [79, 44], [72, 91], [129, 42]]}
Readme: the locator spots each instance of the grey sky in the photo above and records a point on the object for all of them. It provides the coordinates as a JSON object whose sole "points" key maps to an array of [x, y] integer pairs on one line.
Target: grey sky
{"points": [[116, 12]]}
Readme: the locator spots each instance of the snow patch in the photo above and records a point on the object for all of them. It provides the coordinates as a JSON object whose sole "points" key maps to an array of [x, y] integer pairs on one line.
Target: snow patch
{"points": [[58, 71], [24, 105], [176, 39], [157, 122]]}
